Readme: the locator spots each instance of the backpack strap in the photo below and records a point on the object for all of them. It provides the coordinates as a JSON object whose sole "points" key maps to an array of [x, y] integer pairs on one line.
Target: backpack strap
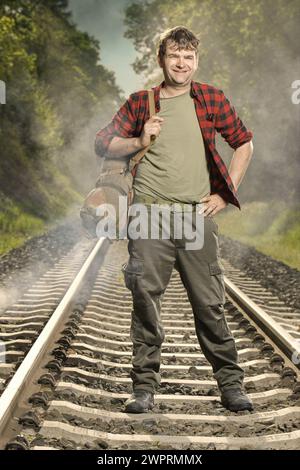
{"points": [[139, 155], [151, 102]]}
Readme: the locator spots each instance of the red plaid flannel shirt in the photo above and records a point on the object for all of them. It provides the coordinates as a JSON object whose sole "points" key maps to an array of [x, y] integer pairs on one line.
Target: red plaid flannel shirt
{"points": [[214, 113]]}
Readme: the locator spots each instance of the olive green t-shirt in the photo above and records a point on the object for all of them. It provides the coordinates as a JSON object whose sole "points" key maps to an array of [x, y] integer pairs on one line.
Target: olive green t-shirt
{"points": [[175, 167]]}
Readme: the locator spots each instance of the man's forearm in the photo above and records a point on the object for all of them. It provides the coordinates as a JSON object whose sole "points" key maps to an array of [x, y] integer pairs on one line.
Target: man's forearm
{"points": [[239, 163], [120, 147]]}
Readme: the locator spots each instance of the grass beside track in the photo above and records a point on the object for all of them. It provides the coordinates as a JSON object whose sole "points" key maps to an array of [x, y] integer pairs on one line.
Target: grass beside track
{"points": [[272, 228]]}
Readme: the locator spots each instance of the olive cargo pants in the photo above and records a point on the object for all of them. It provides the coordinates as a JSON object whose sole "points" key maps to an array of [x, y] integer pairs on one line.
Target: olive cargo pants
{"points": [[147, 275]]}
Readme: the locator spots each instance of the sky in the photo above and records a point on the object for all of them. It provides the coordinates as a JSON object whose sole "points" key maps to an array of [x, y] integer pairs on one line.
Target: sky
{"points": [[103, 19]]}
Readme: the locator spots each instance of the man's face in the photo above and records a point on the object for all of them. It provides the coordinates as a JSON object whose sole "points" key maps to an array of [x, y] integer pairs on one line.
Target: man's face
{"points": [[178, 66]]}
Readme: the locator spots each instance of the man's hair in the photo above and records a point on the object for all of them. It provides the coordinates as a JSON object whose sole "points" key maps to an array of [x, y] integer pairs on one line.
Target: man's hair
{"points": [[183, 37]]}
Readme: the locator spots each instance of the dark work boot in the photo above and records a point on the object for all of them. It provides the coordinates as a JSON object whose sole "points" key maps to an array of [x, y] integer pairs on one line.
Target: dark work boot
{"points": [[234, 399], [139, 402]]}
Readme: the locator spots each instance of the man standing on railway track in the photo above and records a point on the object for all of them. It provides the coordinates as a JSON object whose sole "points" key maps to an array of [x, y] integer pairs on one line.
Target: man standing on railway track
{"points": [[182, 167]]}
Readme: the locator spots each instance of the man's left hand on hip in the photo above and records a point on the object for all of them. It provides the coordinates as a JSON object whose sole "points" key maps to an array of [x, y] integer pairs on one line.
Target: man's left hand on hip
{"points": [[212, 204]]}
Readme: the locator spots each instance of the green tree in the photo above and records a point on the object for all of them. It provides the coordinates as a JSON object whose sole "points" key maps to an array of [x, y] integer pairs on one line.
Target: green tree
{"points": [[58, 95]]}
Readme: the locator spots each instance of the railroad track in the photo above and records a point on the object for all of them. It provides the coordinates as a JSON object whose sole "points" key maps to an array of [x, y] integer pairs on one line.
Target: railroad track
{"points": [[68, 391]]}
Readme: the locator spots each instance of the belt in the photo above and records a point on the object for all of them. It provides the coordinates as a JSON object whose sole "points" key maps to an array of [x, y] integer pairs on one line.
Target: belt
{"points": [[145, 199]]}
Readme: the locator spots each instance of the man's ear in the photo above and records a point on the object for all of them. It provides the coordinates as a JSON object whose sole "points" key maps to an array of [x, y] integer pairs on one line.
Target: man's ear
{"points": [[159, 61]]}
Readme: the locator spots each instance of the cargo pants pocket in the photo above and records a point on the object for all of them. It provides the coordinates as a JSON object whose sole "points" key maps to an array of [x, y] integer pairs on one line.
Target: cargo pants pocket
{"points": [[131, 271], [216, 271]]}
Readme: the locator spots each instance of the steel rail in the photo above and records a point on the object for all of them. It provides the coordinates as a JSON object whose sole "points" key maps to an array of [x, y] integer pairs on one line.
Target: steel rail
{"points": [[288, 345], [32, 360]]}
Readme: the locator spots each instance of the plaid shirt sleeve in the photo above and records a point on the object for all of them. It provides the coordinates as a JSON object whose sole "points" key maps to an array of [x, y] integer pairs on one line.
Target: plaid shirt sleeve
{"points": [[230, 125], [123, 124]]}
